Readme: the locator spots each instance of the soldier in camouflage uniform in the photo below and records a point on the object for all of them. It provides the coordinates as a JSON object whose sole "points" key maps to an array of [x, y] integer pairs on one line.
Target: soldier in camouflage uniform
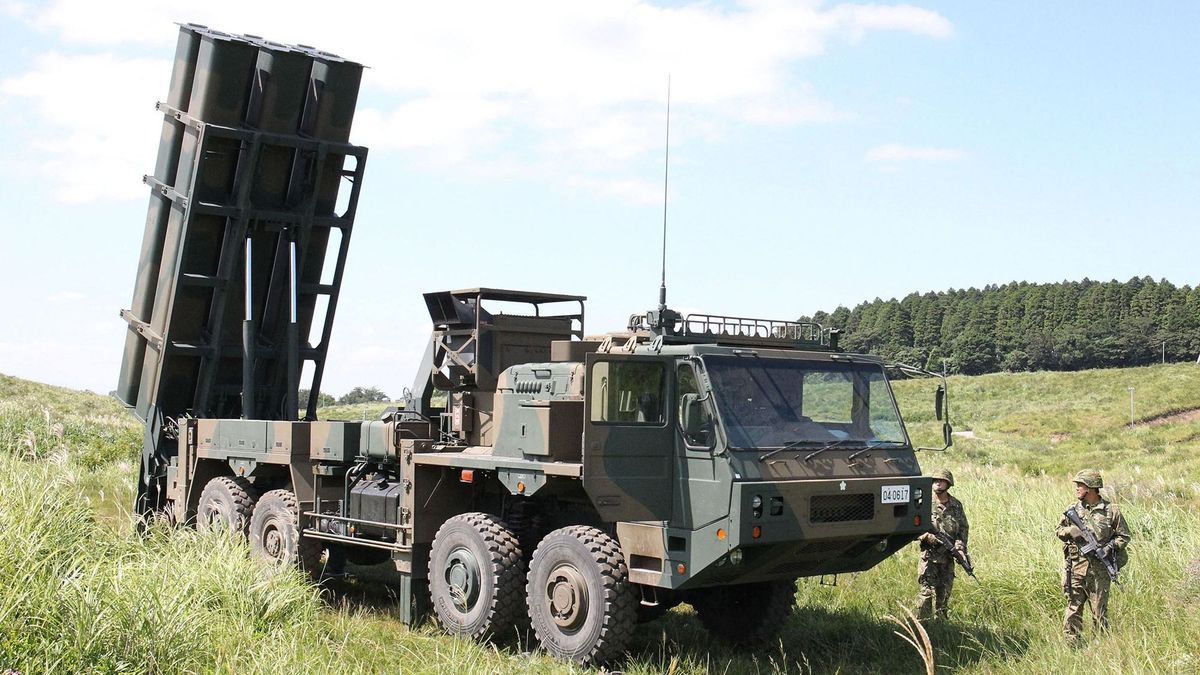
{"points": [[1086, 580], [935, 574]]}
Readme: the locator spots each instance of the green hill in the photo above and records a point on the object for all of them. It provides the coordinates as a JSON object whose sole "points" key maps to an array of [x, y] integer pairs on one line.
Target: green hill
{"points": [[80, 591], [1055, 423]]}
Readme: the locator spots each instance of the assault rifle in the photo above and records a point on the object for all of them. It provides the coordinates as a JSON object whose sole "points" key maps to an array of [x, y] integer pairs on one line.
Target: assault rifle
{"points": [[960, 554], [1091, 546]]}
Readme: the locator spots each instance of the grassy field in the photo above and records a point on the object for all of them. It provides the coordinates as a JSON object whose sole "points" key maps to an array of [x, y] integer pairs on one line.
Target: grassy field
{"points": [[356, 411], [79, 591], [1052, 424]]}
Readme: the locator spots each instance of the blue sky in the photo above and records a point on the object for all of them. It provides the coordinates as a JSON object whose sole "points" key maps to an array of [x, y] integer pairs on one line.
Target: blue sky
{"points": [[822, 153]]}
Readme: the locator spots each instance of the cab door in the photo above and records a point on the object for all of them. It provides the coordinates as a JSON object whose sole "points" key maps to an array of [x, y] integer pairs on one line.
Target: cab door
{"points": [[628, 439], [703, 481]]}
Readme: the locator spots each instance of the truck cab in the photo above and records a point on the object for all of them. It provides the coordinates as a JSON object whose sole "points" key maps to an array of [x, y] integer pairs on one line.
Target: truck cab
{"points": [[726, 464]]}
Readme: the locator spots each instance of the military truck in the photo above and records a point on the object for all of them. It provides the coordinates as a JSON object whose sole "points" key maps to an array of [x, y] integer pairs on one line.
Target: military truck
{"points": [[535, 475]]}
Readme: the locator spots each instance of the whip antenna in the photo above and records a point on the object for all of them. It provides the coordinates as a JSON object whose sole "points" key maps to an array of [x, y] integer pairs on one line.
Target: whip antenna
{"points": [[662, 289]]}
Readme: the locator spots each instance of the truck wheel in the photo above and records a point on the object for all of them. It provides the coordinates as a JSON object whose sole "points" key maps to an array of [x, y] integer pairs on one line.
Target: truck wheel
{"points": [[746, 614], [475, 572], [226, 502], [275, 534], [581, 603]]}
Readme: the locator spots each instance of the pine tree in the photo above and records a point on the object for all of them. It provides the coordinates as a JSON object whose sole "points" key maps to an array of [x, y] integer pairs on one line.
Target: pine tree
{"points": [[1021, 326]]}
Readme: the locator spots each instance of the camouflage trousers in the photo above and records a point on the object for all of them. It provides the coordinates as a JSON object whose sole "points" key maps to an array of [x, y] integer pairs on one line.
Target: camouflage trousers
{"points": [[936, 579], [1089, 585]]}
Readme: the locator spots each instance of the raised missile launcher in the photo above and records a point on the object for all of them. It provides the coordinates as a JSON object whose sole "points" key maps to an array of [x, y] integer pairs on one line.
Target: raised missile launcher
{"points": [[535, 474]]}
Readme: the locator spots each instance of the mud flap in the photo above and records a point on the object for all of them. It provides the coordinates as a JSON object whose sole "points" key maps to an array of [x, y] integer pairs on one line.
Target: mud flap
{"points": [[414, 600]]}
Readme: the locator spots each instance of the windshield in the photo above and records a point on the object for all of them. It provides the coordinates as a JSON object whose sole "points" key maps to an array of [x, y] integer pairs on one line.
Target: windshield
{"points": [[765, 403]]}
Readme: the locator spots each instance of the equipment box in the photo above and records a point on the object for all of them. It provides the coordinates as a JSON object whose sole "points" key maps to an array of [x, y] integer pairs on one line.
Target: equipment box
{"points": [[335, 441], [288, 438]]}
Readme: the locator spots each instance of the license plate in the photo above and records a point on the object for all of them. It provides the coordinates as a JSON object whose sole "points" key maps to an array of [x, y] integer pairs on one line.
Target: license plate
{"points": [[894, 494]]}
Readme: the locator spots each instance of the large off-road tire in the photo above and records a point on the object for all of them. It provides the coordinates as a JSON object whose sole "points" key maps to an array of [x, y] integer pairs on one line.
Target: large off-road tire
{"points": [[227, 503], [582, 606], [746, 614], [475, 577], [275, 534]]}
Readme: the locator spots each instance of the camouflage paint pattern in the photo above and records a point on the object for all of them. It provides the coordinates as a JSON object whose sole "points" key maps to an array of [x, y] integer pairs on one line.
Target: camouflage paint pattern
{"points": [[644, 471]]}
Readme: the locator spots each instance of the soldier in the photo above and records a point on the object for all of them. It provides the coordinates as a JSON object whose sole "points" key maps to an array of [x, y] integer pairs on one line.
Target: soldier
{"points": [[1086, 581], [935, 574]]}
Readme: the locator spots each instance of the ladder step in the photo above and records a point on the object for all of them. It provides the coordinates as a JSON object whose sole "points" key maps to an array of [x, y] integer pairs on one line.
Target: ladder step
{"points": [[317, 289]]}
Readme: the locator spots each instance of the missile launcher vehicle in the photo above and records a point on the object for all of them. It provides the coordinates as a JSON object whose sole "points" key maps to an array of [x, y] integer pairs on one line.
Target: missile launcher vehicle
{"points": [[535, 475]]}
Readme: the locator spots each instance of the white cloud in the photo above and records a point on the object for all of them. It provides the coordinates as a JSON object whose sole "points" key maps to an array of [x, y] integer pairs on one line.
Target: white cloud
{"points": [[858, 19], [892, 153], [542, 87], [65, 297], [90, 122], [13, 10], [629, 190], [444, 127]]}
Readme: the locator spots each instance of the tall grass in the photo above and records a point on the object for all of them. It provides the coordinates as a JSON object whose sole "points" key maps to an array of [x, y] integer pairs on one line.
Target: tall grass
{"points": [[38, 420], [80, 592], [1011, 621], [80, 596]]}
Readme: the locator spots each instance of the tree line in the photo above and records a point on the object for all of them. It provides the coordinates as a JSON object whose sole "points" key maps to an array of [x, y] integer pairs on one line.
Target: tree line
{"points": [[1021, 326], [355, 395]]}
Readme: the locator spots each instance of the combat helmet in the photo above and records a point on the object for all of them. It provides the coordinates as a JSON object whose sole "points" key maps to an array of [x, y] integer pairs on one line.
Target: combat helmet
{"points": [[944, 474], [1090, 477]]}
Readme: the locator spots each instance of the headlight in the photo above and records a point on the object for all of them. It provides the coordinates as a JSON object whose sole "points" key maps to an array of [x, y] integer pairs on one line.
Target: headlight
{"points": [[735, 556], [756, 503]]}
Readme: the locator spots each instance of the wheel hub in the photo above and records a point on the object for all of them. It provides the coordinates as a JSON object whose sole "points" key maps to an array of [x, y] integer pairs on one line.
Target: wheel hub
{"points": [[567, 593], [214, 517], [273, 543], [462, 578]]}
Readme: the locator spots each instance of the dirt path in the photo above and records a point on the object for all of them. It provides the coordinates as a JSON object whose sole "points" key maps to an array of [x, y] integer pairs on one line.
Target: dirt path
{"points": [[1173, 418]]}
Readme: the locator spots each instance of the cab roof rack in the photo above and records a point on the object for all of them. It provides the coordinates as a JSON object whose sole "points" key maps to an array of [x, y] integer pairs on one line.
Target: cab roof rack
{"points": [[675, 328]]}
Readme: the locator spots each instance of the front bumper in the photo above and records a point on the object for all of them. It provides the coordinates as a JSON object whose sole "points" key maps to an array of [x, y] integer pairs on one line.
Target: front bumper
{"points": [[812, 527]]}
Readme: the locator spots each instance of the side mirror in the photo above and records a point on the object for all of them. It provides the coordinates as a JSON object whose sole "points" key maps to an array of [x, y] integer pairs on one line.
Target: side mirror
{"points": [[690, 415], [947, 434], [939, 399]]}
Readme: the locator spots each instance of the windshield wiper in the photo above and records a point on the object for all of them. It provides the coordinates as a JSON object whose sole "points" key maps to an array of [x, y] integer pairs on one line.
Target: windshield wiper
{"points": [[786, 446], [870, 445], [828, 445], [825, 447]]}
